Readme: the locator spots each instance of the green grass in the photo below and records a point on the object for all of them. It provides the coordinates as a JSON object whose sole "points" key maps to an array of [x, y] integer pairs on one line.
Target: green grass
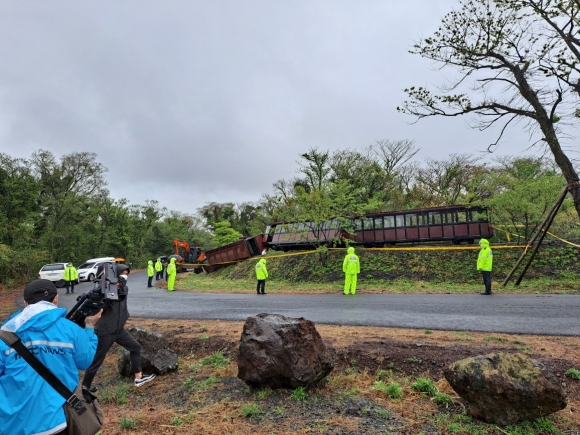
{"points": [[382, 413], [425, 385], [127, 423], [176, 421], [393, 390], [572, 373], [262, 394], [428, 331], [192, 385], [458, 276], [115, 395], [216, 360], [299, 394], [442, 399], [251, 410]]}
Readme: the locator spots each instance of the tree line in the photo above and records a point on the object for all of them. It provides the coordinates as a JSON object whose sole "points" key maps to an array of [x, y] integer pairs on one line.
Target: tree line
{"points": [[55, 210]]}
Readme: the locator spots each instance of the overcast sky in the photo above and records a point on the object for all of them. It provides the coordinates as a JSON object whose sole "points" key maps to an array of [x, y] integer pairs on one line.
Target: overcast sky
{"points": [[188, 102]]}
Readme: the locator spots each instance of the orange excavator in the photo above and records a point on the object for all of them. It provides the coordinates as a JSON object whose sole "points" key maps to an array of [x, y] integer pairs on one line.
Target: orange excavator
{"points": [[188, 254]]}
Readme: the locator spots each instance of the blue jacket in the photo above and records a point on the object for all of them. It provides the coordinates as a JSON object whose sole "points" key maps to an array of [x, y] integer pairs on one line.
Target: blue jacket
{"points": [[28, 404]]}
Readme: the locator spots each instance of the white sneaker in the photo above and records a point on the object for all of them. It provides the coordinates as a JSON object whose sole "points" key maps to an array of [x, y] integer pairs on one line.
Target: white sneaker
{"points": [[144, 379]]}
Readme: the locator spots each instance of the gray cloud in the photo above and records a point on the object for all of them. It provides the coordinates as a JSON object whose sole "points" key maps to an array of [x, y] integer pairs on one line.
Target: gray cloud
{"points": [[194, 101]]}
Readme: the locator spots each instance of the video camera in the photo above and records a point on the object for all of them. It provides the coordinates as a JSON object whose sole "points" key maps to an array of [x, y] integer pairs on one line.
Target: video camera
{"points": [[105, 288]]}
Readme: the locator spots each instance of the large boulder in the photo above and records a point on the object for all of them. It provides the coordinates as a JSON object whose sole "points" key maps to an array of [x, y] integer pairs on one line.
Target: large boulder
{"points": [[505, 388], [278, 351], [156, 356]]}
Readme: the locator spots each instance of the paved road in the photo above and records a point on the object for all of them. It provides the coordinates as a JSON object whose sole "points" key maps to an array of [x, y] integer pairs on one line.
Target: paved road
{"points": [[526, 314]]}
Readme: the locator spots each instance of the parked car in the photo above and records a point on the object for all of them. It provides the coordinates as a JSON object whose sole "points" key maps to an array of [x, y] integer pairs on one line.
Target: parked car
{"points": [[53, 272], [88, 270]]}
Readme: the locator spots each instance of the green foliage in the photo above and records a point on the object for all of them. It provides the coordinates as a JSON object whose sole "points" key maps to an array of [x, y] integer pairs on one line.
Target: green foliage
{"points": [[572, 373], [216, 360], [192, 384], [299, 394], [428, 331], [251, 410], [382, 413], [393, 390], [176, 421], [442, 399], [127, 423], [116, 395], [224, 233], [425, 385]]}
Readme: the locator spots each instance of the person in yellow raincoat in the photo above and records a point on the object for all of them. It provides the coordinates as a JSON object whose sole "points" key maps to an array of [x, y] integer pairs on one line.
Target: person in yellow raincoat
{"points": [[158, 270], [261, 275], [171, 272], [351, 269], [150, 273], [70, 277]]}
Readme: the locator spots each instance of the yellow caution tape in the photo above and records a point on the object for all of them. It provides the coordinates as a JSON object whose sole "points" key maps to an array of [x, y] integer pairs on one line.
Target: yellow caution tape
{"points": [[435, 248], [562, 240]]}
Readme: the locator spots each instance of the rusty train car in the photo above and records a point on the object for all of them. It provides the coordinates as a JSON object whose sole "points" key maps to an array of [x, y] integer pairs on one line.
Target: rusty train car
{"points": [[455, 224]]}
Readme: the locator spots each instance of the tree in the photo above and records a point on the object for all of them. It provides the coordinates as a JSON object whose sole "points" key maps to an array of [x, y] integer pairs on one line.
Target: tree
{"points": [[559, 21], [66, 191], [445, 182], [18, 200], [497, 49], [525, 189], [315, 167], [224, 234]]}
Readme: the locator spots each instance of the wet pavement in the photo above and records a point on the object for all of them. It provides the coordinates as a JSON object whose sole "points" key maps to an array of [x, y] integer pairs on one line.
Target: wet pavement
{"points": [[525, 314]]}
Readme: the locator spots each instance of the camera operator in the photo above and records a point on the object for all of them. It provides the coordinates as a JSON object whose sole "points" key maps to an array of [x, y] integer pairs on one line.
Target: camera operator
{"points": [[111, 329], [28, 404]]}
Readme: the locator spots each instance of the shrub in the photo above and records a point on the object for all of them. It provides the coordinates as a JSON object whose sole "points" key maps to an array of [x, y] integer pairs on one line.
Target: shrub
{"points": [[573, 373]]}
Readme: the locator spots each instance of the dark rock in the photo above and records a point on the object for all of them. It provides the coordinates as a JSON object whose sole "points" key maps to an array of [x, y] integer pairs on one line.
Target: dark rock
{"points": [[156, 356], [278, 351], [505, 388]]}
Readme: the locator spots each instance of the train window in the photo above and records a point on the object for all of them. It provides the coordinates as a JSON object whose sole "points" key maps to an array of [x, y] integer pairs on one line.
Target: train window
{"points": [[358, 224], [411, 220], [479, 215], [400, 220], [389, 221], [423, 219], [378, 223], [449, 217], [368, 223], [461, 216], [280, 229], [435, 218]]}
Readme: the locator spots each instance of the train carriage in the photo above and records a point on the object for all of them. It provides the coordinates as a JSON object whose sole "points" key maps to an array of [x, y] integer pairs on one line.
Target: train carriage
{"points": [[449, 223]]}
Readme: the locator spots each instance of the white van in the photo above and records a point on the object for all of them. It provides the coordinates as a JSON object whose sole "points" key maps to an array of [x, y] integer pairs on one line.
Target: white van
{"points": [[88, 270]]}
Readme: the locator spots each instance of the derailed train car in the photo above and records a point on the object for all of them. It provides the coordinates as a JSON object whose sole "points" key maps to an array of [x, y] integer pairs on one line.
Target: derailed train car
{"points": [[455, 224], [241, 249]]}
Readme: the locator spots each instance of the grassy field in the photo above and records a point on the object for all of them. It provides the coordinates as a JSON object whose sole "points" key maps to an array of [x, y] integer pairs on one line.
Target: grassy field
{"points": [[432, 271], [216, 283]]}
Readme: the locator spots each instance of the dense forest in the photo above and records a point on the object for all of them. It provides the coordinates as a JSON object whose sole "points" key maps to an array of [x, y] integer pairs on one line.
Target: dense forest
{"points": [[59, 209]]}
